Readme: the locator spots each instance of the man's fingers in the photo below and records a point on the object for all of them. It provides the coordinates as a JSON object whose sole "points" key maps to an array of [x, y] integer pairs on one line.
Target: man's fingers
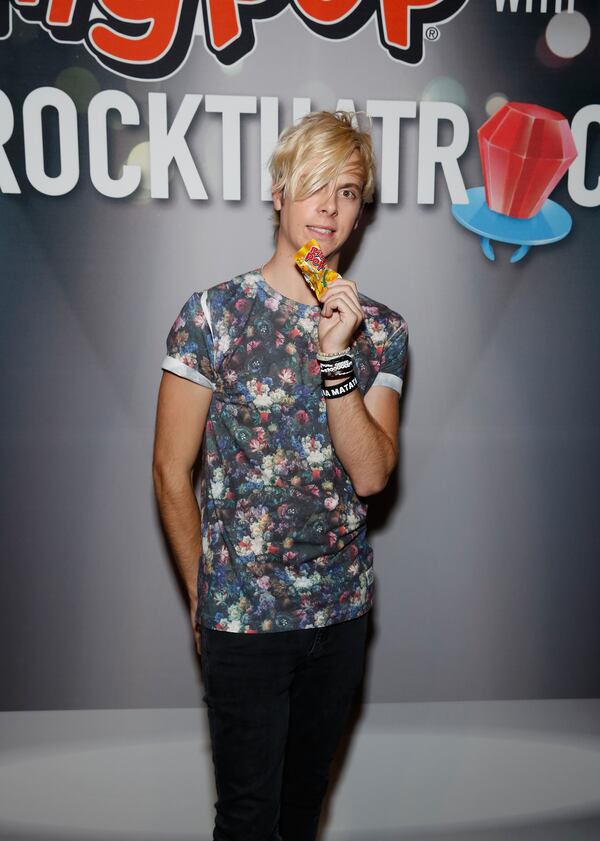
{"points": [[344, 302], [339, 283], [195, 625], [340, 287]]}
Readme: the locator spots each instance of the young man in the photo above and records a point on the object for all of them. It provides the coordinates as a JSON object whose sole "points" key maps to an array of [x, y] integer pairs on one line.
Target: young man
{"points": [[277, 564]]}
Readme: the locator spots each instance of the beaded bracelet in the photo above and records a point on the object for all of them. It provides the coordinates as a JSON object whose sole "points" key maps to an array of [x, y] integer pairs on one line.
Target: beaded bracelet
{"points": [[326, 357], [332, 391]]}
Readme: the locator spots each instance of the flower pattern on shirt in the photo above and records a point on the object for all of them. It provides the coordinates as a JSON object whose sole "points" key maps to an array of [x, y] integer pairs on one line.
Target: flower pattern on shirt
{"points": [[284, 543]]}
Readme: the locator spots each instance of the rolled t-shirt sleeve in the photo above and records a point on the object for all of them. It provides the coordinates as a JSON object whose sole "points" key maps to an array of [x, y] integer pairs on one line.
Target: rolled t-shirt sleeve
{"points": [[393, 358], [190, 345]]}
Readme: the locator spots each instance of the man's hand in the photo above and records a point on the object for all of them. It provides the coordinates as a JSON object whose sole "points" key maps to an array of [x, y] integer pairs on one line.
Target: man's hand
{"points": [[341, 315], [195, 626], [364, 431], [180, 421]]}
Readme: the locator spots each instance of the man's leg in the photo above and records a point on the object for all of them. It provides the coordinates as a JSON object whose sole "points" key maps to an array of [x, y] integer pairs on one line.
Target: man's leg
{"points": [[321, 698], [247, 680]]}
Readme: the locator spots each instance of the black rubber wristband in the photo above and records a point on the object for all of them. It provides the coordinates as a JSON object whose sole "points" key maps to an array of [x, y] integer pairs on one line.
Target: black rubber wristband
{"points": [[334, 372], [346, 361], [332, 391]]}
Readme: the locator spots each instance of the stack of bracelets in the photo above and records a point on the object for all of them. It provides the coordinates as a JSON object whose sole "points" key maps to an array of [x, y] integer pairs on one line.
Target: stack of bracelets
{"points": [[336, 366]]}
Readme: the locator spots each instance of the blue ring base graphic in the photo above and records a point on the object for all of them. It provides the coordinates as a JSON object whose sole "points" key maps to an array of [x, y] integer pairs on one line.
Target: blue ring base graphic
{"points": [[551, 224]]}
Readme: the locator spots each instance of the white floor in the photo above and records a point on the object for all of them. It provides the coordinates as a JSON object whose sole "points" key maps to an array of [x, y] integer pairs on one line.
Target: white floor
{"points": [[497, 770]]}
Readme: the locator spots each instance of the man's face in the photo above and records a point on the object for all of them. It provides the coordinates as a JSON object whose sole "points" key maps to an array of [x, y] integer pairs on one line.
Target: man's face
{"points": [[329, 215]]}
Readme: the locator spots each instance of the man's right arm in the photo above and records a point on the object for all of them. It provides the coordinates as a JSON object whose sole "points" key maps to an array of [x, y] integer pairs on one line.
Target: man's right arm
{"points": [[181, 416]]}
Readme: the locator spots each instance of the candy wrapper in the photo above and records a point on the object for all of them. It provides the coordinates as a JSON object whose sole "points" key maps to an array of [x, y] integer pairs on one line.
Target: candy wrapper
{"points": [[311, 262]]}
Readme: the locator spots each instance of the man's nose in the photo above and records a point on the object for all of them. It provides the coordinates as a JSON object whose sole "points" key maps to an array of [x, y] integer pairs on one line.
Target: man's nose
{"points": [[329, 203]]}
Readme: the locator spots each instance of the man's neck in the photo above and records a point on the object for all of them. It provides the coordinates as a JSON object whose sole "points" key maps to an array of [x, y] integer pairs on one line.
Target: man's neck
{"points": [[282, 273]]}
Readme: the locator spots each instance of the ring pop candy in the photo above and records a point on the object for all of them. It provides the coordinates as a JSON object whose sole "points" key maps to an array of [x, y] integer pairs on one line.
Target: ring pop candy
{"points": [[311, 262]]}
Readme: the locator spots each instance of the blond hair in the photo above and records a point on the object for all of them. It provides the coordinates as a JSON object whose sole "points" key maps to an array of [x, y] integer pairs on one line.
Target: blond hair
{"points": [[327, 140]]}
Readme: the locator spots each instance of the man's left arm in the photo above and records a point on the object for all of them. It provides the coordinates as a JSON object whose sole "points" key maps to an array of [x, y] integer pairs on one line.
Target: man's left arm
{"points": [[364, 434], [364, 431]]}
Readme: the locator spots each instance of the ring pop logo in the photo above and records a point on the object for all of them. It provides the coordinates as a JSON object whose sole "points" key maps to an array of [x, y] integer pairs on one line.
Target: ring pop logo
{"points": [[153, 39]]}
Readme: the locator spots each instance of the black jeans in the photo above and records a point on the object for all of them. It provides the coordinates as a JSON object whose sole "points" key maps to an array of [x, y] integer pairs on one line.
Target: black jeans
{"points": [[277, 705]]}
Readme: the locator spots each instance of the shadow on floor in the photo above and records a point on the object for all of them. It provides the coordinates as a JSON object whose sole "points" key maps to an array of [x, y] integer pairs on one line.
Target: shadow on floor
{"points": [[581, 828]]}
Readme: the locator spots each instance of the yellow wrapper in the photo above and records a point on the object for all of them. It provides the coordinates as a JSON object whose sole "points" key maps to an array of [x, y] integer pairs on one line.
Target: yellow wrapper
{"points": [[311, 262]]}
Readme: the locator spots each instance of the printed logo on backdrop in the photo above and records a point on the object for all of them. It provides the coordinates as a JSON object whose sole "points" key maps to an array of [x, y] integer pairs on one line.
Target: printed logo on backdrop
{"points": [[152, 40], [525, 150], [544, 7]]}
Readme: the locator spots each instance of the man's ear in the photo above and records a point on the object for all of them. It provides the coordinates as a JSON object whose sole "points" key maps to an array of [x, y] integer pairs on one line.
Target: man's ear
{"points": [[362, 207], [277, 199]]}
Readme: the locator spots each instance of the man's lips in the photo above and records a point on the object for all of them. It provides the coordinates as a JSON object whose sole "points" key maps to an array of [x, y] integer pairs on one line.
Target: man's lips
{"points": [[324, 232]]}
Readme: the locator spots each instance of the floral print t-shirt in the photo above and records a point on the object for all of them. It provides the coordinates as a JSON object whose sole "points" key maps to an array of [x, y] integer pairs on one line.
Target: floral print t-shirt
{"points": [[284, 542]]}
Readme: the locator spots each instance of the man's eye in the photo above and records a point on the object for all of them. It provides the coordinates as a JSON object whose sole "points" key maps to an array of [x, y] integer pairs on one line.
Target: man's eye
{"points": [[349, 194]]}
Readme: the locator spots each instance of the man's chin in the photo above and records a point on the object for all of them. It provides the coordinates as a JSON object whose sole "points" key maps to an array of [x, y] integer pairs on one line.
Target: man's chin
{"points": [[333, 251]]}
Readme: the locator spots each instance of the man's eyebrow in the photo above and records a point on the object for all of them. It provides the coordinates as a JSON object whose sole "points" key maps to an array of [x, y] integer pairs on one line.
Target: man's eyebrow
{"points": [[345, 184]]}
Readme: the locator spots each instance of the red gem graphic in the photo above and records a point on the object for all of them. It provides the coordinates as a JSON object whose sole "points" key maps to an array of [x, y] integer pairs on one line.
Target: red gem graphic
{"points": [[525, 151]]}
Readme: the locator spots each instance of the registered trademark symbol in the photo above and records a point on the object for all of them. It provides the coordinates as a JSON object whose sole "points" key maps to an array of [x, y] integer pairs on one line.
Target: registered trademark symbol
{"points": [[432, 33]]}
